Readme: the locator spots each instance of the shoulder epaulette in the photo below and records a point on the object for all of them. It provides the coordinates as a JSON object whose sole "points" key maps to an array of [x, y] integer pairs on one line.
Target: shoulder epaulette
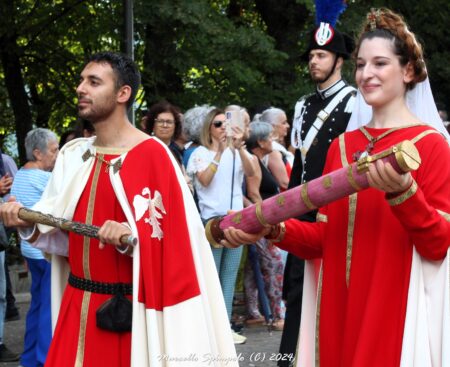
{"points": [[351, 102], [305, 96]]}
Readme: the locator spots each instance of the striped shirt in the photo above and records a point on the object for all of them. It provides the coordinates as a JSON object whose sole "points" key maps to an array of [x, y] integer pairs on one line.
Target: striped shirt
{"points": [[27, 187]]}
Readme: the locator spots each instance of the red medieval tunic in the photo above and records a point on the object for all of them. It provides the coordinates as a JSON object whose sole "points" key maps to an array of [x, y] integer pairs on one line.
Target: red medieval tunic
{"points": [[178, 310], [77, 340], [366, 244]]}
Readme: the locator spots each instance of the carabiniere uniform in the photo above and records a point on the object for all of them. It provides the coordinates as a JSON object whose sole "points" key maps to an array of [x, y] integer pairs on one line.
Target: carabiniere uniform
{"points": [[319, 118], [308, 110]]}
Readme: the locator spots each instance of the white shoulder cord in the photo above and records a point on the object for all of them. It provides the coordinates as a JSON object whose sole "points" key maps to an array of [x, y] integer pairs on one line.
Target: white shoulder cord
{"points": [[297, 123]]}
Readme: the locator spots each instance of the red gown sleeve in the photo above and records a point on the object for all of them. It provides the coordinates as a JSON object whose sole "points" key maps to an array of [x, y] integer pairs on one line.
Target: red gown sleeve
{"points": [[423, 209], [303, 239]]}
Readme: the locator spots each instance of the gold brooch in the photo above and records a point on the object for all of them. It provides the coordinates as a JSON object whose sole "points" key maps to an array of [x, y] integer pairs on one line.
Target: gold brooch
{"points": [[116, 166]]}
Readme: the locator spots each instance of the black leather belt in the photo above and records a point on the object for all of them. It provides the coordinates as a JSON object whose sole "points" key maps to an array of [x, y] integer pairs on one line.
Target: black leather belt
{"points": [[99, 287]]}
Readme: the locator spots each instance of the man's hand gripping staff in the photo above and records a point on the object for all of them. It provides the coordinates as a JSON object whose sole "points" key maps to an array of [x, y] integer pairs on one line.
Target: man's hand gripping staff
{"points": [[13, 214]]}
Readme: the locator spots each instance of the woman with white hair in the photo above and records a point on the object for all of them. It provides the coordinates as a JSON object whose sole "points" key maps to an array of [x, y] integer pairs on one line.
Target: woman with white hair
{"points": [[280, 160], [192, 127], [41, 147], [262, 186]]}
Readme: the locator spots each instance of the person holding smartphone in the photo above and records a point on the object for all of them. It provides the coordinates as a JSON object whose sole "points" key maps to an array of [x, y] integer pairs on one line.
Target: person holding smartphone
{"points": [[217, 168]]}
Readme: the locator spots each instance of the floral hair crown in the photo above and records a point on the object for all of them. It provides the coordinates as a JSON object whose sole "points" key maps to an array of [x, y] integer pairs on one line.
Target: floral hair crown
{"points": [[373, 17]]}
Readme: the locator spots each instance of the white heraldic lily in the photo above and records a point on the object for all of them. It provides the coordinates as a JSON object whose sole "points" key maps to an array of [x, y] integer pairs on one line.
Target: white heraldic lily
{"points": [[142, 204]]}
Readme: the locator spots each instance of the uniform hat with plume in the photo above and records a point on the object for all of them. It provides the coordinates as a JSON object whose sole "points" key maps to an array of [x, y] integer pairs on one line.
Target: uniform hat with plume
{"points": [[325, 36]]}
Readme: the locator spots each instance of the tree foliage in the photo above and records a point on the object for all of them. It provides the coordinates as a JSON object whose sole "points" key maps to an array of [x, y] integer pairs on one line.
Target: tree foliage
{"points": [[190, 52], [197, 52], [42, 46]]}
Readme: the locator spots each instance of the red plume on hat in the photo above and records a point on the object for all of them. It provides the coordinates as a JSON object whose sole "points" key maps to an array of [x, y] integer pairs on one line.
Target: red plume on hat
{"points": [[325, 36]]}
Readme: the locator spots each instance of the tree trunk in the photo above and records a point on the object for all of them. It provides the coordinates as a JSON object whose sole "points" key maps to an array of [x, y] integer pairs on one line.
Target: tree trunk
{"points": [[17, 95]]}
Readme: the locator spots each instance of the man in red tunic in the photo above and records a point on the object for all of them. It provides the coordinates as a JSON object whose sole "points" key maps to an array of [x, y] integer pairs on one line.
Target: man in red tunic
{"points": [[127, 184]]}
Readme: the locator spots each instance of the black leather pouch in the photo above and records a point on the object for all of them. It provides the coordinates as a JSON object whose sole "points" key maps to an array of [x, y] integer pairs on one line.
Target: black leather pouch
{"points": [[115, 314]]}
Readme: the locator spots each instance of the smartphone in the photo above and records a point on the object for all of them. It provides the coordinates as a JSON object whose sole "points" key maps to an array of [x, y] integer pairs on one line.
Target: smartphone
{"points": [[233, 118]]}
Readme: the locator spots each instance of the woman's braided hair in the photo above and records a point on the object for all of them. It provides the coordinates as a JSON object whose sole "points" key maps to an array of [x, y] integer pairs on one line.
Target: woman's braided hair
{"points": [[384, 23]]}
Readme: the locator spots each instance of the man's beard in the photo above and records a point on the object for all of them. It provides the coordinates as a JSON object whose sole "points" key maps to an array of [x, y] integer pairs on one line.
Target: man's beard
{"points": [[96, 113], [326, 74], [322, 77]]}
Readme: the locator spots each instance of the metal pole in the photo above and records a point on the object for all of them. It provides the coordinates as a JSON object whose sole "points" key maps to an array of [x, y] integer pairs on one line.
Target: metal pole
{"points": [[129, 40]]}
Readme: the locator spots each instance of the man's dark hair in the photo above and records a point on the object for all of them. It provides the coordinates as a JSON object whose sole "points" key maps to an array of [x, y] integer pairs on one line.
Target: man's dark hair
{"points": [[124, 69]]}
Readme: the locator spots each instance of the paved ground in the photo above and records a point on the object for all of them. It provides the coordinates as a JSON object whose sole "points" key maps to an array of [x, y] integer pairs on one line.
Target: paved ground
{"points": [[260, 350], [14, 330]]}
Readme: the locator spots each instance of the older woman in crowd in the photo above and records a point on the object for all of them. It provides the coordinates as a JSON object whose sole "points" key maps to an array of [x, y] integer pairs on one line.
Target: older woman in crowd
{"points": [[261, 186], [192, 127], [29, 183], [164, 121], [280, 160]]}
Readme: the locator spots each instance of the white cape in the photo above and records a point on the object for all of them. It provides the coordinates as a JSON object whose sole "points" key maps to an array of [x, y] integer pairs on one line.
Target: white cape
{"points": [[156, 335]]}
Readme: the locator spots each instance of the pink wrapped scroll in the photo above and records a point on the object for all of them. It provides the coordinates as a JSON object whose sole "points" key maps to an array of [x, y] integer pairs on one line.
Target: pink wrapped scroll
{"points": [[403, 157]]}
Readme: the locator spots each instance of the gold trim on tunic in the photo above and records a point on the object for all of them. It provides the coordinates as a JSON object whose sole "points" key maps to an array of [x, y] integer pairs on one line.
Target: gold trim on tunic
{"points": [[423, 134], [116, 166], [89, 216], [86, 270], [352, 202], [319, 300], [108, 150], [444, 214], [342, 150], [405, 196], [321, 218], [350, 232], [82, 333]]}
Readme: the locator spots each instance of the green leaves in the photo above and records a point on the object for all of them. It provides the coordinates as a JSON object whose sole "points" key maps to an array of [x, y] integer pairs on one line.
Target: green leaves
{"points": [[190, 52]]}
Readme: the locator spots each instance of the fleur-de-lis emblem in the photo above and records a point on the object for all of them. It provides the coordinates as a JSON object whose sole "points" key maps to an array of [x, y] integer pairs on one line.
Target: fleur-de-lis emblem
{"points": [[143, 204]]}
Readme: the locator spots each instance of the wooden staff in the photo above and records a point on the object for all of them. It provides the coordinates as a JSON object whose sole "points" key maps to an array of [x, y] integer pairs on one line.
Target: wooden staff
{"points": [[82, 229]]}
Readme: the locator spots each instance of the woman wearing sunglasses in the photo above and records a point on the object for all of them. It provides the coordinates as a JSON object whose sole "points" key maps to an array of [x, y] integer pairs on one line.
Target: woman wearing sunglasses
{"points": [[217, 168]]}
